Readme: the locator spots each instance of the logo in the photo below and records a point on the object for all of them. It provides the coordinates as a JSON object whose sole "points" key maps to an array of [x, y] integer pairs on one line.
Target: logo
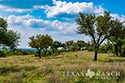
{"points": [[90, 73], [94, 74]]}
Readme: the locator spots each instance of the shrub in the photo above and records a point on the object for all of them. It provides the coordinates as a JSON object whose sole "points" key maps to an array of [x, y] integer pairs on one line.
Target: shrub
{"points": [[23, 52], [18, 52], [90, 49], [56, 52], [45, 53], [123, 50], [28, 52], [3, 53], [103, 49]]}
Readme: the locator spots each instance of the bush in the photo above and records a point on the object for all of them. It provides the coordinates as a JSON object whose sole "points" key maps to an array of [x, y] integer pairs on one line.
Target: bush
{"points": [[3, 53], [23, 52], [103, 49], [55, 52], [123, 52], [90, 49], [28, 52], [18, 52]]}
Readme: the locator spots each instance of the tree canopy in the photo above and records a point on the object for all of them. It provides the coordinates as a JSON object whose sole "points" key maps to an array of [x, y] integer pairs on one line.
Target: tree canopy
{"points": [[117, 37], [8, 38], [40, 42]]}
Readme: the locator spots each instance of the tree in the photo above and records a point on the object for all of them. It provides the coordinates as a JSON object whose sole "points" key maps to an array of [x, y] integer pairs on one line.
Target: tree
{"points": [[12, 39], [123, 48], [123, 44], [109, 47], [3, 24], [81, 44], [40, 42], [3, 29], [8, 38], [68, 45], [74, 47], [96, 27], [117, 37], [57, 44], [56, 47]]}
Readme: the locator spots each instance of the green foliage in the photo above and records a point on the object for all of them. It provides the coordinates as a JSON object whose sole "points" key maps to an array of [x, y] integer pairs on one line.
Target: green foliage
{"points": [[103, 49], [89, 46], [3, 29], [8, 38], [117, 37], [118, 45], [12, 39], [74, 46], [123, 50], [3, 53], [99, 28], [81, 44], [56, 48], [106, 48], [68, 45], [57, 44], [123, 47], [18, 52], [41, 42], [23, 52], [3, 23], [28, 52]]}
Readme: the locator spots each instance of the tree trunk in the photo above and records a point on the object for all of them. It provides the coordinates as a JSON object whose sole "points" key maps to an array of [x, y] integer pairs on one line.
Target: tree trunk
{"points": [[79, 48], [116, 50], [96, 52], [39, 53]]}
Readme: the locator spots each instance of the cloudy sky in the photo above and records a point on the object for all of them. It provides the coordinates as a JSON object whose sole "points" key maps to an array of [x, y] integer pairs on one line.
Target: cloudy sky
{"points": [[54, 17]]}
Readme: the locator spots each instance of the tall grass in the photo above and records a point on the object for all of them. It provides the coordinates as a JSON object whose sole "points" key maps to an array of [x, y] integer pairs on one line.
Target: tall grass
{"points": [[30, 69]]}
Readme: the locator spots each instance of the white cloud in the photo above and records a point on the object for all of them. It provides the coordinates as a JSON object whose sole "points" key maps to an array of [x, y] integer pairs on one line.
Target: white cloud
{"points": [[59, 7], [99, 10], [3, 7], [63, 7], [31, 22], [119, 17], [10, 9], [25, 25], [18, 10]]}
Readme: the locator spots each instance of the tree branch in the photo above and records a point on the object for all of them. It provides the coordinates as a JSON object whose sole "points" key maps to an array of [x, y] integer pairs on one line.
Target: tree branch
{"points": [[99, 38], [93, 37], [103, 40]]}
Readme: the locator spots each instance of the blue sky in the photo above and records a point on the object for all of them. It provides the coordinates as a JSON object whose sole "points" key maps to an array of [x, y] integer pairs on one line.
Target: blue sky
{"points": [[54, 17]]}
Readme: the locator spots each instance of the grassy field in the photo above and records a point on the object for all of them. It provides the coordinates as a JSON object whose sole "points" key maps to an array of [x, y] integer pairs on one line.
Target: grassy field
{"points": [[69, 67]]}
